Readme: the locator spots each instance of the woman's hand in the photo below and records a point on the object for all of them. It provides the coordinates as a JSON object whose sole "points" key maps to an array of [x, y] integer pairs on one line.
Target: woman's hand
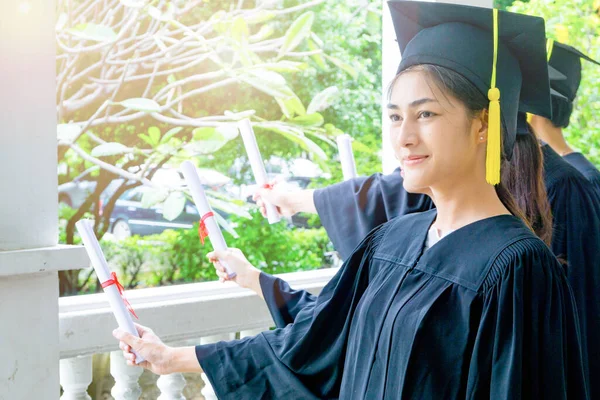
{"points": [[247, 276], [159, 358], [288, 202]]}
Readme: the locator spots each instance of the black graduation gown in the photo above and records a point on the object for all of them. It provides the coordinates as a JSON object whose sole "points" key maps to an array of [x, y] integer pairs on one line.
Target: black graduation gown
{"points": [[576, 237], [587, 169], [485, 313], [576, 214], [351, 209]]}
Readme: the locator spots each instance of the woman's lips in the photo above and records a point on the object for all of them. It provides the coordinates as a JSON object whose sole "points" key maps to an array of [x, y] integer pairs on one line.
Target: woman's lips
{"points": [[413, 160]]}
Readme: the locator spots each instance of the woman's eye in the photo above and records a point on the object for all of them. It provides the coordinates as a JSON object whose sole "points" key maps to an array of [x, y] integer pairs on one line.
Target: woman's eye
{"points": [[394, 117], [426, 114]]}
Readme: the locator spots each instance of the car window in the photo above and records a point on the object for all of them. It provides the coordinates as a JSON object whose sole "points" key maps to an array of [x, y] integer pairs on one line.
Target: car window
{"points": [[137, 196], [132, 195]]}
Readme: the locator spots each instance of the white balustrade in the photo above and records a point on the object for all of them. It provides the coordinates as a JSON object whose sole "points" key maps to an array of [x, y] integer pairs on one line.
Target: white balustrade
{"points": [[126, 386], [75, 377], [171, 387], [252, 332], [179, 314]]}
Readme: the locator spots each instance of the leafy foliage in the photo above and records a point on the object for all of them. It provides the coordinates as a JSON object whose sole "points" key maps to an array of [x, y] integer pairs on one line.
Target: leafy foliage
{"points": [[178, 256]]}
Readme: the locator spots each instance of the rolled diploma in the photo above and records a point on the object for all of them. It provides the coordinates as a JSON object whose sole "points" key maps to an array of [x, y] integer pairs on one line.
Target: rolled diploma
{"points": [[214, 232], [344, 143], [256, 162], [100, 265]]}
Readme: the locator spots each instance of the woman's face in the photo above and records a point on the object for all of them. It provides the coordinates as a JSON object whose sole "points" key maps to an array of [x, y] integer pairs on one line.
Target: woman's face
{"points": [[436, 141]]}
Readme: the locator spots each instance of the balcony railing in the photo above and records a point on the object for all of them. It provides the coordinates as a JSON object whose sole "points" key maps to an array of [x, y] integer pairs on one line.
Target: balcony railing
{"points": [[184, 314]]}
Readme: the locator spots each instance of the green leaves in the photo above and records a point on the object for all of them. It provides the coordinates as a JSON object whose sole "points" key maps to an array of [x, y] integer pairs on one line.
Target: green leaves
{"points": [[239, 30], [323, 100], [261, 17], [291, 106], [153, 197], [153, 138], [269, 82], [313, 119], [173, 205], [141, 104], [163, 16], [296, 136], [110, 149], [343, 66], [66, 133], [94, 32], [297, 32], [208, 140], [285, 66]]}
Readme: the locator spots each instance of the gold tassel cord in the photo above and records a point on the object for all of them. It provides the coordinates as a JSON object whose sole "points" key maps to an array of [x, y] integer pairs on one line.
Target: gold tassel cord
{"points": [[492, 159], [494, 141]]}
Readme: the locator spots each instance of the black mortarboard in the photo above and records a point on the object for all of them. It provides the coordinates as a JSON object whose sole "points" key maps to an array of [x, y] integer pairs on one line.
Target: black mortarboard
{"points": [[567, 60], [462, 38]]}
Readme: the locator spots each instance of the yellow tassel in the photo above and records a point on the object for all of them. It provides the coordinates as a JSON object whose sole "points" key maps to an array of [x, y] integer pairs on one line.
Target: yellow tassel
{"points": [[493, 153], [529, 117]]}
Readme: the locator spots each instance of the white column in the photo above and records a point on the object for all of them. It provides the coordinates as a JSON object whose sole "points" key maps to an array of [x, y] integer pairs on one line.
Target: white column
{"points": [[75, 377], [207, 391], [28, 175], [171, 387], [390, 56], [29, 257], [126, 378]]}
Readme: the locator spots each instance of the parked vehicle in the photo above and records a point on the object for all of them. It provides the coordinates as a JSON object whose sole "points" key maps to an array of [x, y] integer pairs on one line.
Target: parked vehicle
{"points": [[74, 193], [130, 217]]}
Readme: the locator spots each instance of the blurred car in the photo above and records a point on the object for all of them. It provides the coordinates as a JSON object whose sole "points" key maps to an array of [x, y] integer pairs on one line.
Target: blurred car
{"points": [[75, 192], [130, 217]]}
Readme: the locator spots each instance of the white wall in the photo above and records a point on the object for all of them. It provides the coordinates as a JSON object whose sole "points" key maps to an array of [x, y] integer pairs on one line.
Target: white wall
{"points": [[391, 60]]}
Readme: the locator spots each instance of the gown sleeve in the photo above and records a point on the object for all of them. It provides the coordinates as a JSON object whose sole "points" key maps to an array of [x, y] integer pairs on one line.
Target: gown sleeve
{"points": [[305, 359], [528, 344], [576, 213], [351, 209], [284, 303], [587, 169]]}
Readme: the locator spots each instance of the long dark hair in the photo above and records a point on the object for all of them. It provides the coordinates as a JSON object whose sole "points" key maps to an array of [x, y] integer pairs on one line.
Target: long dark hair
{"points": [[525, 185], [521, 188]]}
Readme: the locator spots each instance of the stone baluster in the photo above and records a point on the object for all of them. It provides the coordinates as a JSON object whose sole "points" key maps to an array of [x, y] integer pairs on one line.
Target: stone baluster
{"points": [[75, 377], [171, 387], [207, 391], [252, 332], [126, 378]]}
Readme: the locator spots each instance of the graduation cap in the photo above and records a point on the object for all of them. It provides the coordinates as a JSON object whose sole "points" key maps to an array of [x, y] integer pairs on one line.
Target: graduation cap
{"points": [[567, 60], [503, 54]]}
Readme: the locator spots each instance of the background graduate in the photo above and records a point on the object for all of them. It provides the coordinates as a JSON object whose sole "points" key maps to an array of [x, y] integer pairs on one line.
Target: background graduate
{"points": [[567, 60]]}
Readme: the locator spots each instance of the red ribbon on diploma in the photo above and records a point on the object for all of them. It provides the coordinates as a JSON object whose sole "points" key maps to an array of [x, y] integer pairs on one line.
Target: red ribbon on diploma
{"points": [[268, 186], [202, 231], [115, 281]]}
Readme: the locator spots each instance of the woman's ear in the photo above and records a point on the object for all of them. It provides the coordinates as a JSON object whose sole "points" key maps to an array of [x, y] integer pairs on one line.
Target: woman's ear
{"points": [[481, 123]]}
